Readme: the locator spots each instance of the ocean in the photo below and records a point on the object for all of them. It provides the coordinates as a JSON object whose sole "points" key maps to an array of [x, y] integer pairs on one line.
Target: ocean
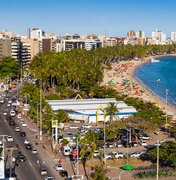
{"points": [[160, 78]]}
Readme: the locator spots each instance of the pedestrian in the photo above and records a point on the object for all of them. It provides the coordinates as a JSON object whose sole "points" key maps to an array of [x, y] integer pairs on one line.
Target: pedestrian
{"points": [[60, 160]]}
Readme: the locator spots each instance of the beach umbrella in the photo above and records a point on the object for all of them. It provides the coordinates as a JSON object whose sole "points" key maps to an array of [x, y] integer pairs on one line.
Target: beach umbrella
{"points": [[128, 167]]}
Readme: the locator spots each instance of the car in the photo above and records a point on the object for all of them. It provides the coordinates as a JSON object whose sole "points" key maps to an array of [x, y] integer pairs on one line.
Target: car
{"points": [[12, 113], [43, 171], [96, 153], [63, 173], [108, 156], [17, 129], [117, 155], [97, 130], [28, 146], [12, 123], [1, 144], [135, 154], [5, 113], [1, 101], [58, 167], [119, 144], [23, 124], [9, 101], [49, 178], [23, 134], [21, 157], [26, 141], [34, 151], [145, 137], [86, 126], [110, 145], [73, 127], [134, 144], [143, 143], [8, 105], [19, 116], [9, 138]]}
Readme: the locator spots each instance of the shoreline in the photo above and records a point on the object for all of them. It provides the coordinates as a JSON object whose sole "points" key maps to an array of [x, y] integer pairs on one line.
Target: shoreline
{"points": [[137, 89]]}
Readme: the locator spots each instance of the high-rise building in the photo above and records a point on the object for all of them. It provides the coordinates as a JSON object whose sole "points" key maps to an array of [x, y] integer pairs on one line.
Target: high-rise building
{"points": [[36, 33], [131, 34], [173, 37], [158, 37], [5, 47]]}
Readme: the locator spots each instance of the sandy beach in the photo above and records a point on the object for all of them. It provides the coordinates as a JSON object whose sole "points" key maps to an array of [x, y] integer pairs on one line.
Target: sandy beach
{"points": [[121, 78]]}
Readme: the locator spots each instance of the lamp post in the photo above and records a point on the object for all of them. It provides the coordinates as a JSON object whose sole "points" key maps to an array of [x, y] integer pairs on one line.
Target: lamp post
{"points": [[166, 105], [157, 161], [41, 110]]}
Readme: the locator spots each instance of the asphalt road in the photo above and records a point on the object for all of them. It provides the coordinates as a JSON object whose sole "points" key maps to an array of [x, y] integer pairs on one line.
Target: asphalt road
{"points": [[25, 170]]}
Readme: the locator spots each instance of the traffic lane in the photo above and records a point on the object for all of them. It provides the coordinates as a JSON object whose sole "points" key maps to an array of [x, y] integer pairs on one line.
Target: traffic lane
{"points": [[18, 140]]}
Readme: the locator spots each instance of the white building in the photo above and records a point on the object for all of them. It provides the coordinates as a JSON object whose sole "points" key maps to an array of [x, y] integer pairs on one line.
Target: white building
{"points": [[36, 33], [173, 37], [86, 109], [158, 37]]}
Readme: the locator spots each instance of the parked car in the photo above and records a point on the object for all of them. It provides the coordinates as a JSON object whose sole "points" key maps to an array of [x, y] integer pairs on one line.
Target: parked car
{"points": [[86, 126], [12, 113], [5, 113], [96, 153], [135, 154], [73, 127], [43, 171], [118, 155], [58, 167], [119, 144], [49, 178], [109, 145], [28, 146], [145, 137], [9, 138], [34, 151], [17, 129], [23, 134], [134, 144], [63, 173], [23, 124], [143, 143]]}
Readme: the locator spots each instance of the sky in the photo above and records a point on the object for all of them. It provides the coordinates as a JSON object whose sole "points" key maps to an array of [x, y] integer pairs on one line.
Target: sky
{"points": [[113, 17]]}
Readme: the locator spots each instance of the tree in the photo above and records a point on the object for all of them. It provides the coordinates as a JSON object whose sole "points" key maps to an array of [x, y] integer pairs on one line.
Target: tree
{"points": [[9, 67], [89, 144], [62, 116], [99, 173], [167, 153], [111, 111]]}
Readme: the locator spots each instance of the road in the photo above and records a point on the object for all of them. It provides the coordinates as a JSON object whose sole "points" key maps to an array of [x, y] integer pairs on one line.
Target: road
{"points": [[25, 170]]}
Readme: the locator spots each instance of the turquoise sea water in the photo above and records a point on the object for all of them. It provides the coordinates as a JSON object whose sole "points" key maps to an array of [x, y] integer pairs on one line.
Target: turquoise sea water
{"points": [[158, 77]]}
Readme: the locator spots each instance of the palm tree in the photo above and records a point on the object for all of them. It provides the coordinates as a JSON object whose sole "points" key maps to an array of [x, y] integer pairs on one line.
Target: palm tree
{"points": [[99, 173], [111, 111], [89, 143]]}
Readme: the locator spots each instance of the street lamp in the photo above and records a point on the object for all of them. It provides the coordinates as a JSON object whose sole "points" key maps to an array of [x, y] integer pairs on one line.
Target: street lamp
{"points": [[166, 105], [157, 161]]}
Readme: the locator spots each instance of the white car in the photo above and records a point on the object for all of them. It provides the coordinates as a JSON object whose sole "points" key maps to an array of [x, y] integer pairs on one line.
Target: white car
{"points": [[86, 126], [26, 141], [9, 101], [49, 178], [5, 113], [1, 144], [23, 124], [12, 113], [19, 116], [34, 151], [17, 129], [9, 138], [8, 105], [73, 127], [118, 155], [58, 167], [135, 154], [143, 143], [96, 153]]}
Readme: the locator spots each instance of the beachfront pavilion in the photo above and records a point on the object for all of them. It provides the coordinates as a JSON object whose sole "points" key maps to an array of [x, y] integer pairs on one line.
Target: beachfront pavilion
{"points": [[85, 109]]}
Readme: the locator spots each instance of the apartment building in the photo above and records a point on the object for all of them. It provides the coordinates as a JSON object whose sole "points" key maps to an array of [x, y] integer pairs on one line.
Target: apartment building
{"points": [[5, 47]]}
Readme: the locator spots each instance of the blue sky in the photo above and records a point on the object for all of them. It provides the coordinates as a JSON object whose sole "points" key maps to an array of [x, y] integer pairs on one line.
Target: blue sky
{"points": [[115, 17]]}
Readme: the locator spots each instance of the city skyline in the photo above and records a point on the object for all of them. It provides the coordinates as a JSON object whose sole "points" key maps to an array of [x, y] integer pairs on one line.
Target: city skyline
{"points": [[86, 17]]}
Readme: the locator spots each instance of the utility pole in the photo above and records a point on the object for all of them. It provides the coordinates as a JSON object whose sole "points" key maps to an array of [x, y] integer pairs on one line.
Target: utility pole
{"points": [[41, 110], [157, 161], [166, 105]]}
